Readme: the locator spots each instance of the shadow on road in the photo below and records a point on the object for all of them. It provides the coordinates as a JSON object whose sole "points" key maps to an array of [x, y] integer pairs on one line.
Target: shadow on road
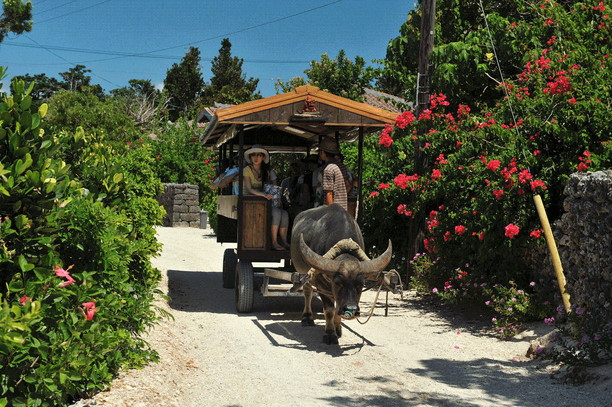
{"points": [[486, 375]]}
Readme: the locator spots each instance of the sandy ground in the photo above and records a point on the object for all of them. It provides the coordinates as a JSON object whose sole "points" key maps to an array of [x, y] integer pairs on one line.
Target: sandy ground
{"points": [[416, 356]]}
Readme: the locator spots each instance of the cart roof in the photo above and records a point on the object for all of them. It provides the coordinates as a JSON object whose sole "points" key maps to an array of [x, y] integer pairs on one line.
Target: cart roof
{"points": [[294, 119]]}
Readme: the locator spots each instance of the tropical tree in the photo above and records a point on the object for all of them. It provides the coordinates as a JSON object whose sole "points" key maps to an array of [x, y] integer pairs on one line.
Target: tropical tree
{"points": [[463, 62], [76, 80], [228, 83], [16, 17], [339, 76], [71, 110], [142, 101], [184, 84]]}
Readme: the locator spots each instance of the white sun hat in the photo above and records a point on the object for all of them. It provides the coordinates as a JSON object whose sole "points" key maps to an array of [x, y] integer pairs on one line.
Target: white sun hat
{"points": [[257, 148]]}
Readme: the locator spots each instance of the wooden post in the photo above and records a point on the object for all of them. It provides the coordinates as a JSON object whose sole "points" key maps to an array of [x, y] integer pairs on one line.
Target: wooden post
{"points": [[554, 253], [428, 22], [360, 178]]}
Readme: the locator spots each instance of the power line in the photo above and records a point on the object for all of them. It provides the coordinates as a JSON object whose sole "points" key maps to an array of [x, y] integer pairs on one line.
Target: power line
{"points": [[129, 54], [65, 60], [141, 54], [73, 11], [56, 7]]}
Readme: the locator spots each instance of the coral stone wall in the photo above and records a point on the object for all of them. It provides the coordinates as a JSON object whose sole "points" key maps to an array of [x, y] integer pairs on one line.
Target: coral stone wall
{"points": [[584, 238], [181, 204]]}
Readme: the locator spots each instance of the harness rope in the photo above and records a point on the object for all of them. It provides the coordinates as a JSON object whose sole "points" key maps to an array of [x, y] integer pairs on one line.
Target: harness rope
{"points": [[350, 246]]}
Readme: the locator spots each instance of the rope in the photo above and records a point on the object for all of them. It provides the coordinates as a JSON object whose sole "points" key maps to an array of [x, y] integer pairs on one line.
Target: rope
{"points": [[380, 285]]}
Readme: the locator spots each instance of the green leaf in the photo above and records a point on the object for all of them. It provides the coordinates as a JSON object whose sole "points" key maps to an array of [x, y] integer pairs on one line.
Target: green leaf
{"points": [[23, 264], [117, 177], [35, 121]]}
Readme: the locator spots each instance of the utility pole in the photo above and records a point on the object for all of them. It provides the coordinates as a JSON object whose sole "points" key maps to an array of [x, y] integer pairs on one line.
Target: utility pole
{"points": [[426, 44]]}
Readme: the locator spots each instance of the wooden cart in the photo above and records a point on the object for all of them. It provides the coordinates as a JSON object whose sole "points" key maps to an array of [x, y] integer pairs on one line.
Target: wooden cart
{"points": [[292, 122]]}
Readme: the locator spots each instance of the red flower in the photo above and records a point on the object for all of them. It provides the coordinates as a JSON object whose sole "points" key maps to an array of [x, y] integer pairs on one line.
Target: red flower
{"points": [[402, 210], [499, 193], [549, 22], [90, 310], [538, 183], [582, 167], [536, 234], [374, 193], [493, 165], [537, 152], [511, 230], [435, 174], [383, 186], [24, 299], [525, 176], [404, 119], [447, 236], [460, 229], [385, 140]]}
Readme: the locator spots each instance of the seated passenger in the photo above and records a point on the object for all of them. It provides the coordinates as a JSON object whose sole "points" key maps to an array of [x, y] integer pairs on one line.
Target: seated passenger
{"points": [[256, 174]]}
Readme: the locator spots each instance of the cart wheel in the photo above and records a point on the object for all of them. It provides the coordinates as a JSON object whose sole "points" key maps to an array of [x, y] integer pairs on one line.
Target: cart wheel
{"points": [[244, 286], [230, 260]]}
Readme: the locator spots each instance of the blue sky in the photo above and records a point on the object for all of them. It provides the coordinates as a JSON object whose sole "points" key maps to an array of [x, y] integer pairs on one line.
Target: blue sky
{"points": [[121, 40]]}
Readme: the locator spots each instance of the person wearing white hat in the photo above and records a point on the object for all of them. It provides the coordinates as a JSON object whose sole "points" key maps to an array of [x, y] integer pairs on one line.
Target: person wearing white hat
{"points": [[256, 174]]}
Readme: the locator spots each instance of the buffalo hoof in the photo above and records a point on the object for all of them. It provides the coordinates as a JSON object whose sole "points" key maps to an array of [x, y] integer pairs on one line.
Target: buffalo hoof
{"points": [[330, 339], [307, 320]]}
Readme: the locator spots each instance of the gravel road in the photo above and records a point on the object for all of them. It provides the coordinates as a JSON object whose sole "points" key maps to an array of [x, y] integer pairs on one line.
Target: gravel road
{"points": [[416, 356]]}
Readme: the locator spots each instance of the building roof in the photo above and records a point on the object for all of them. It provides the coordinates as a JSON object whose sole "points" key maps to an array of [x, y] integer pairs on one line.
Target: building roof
{"points": [[294, 118]]}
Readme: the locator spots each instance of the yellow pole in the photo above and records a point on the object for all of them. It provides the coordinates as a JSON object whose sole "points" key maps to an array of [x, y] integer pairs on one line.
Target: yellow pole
{"points": [[552, 248]]}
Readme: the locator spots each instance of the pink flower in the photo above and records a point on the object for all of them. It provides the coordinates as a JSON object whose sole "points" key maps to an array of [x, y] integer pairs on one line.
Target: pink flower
{"points": [[90, 310], [60, 272], [511, 230], [24, 299], [69, 280], [435, 290]]}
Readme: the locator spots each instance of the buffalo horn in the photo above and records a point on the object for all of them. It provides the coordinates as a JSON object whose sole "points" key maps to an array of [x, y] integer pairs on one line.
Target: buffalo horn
{"points": [[378, 264], [316, 260]]}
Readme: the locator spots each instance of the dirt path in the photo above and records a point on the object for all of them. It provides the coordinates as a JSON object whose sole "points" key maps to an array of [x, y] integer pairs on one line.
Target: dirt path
{"points": [[210, 356]]}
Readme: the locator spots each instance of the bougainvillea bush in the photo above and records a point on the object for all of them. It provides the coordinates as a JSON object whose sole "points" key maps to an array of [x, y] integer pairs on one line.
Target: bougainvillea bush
{"points": [[471, 195], [76, 236]]}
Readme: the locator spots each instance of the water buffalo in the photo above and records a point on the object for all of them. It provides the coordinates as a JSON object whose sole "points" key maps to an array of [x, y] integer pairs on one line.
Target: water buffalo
{"points": [[328, 240]]}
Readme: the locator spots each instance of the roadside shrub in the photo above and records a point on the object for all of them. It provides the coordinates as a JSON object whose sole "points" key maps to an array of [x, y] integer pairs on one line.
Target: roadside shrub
{"points": [[76, 236]]}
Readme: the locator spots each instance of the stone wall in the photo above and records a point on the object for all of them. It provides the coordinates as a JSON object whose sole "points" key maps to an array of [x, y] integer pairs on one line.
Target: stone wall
{"points": [[584, 238], [182, 205]]}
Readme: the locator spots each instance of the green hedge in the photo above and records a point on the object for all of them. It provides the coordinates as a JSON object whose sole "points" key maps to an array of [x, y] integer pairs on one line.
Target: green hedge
{"points": [[76, 236]]}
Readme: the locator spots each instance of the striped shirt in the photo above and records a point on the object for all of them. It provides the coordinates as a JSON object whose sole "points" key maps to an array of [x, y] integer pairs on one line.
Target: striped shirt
{"points": [[333, 180]]}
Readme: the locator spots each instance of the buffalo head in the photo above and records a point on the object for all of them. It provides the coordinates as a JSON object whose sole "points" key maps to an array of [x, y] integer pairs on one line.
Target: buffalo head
{"points": [[345, 274]]}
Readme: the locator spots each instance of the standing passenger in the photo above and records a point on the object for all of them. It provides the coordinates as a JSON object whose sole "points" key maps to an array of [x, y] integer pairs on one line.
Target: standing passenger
{"points": [[334, 182]]}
